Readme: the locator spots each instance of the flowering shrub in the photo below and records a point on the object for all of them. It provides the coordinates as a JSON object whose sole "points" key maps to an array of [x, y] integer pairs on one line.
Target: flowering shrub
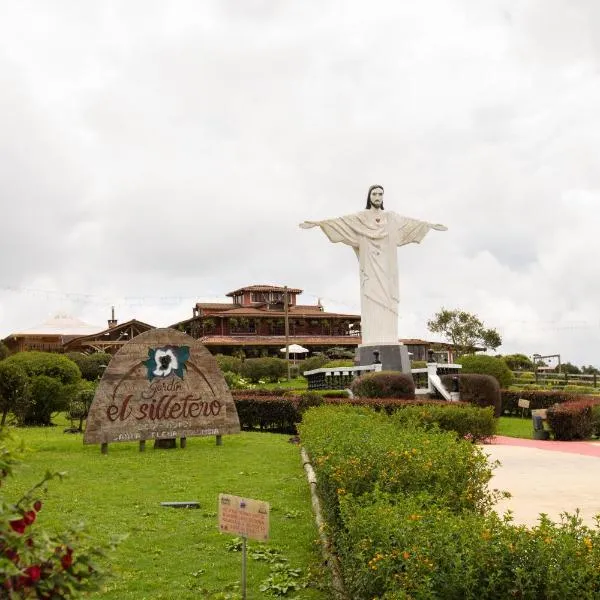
{"points": [[410, 517], [33, 563], [355, 451], [392, 549], [538, 399], [384, 384]]}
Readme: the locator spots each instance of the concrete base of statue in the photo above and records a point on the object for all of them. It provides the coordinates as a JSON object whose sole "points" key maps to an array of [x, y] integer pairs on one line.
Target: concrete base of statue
{"points": [[393, 357]]}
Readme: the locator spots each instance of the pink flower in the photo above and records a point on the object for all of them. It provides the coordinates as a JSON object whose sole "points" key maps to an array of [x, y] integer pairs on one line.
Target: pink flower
{"points": [[18, 525]]}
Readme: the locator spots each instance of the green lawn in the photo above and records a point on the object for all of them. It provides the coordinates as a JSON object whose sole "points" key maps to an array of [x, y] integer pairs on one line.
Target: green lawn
{"points": [[176, 553], [515, 427]]}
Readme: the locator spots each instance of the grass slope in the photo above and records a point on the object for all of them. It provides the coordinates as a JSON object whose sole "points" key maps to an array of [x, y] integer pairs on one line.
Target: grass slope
{"points": [[175, 553]]}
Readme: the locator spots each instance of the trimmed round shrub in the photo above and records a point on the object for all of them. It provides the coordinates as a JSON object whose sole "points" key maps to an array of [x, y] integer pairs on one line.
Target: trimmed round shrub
{"points": [[487, 365], [384, 384], [50, 364], [271, 369], [92, 366], [572, 420], [480, 390]]}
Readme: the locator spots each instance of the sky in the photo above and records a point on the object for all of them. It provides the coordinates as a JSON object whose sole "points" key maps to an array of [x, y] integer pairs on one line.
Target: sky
{"points": [[157, 154]]}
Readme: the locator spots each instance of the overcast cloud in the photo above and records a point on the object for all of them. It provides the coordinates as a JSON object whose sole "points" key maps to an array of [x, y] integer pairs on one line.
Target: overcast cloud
{"points": [[153, 154]]}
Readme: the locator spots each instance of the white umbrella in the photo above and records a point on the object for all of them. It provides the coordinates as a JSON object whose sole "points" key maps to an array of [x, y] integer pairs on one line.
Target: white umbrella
{"points": [[295, 349]]}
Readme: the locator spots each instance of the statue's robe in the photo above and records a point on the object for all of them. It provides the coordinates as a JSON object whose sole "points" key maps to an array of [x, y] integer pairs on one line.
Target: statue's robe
{"points": [[374, 236]]}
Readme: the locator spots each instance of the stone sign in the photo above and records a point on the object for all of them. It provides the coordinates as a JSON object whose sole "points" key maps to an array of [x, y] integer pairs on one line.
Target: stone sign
{"points": [[243, 516], [161, 384]]}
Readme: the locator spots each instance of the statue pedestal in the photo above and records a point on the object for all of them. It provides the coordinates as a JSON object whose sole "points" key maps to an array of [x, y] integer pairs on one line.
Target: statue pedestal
{"points": [[393, 357]]}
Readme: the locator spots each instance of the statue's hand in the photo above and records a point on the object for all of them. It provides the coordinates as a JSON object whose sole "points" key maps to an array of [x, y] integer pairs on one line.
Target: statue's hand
{"points": [[439, 227], [307, 225]]}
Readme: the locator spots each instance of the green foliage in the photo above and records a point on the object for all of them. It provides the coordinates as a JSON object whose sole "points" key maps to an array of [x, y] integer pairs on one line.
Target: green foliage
{"points": [[233, 364], [418, 364], [571, 420], [468, 422], [402, 549], [538, 399], [596, 419], [384, 384], [4, 351], [338, 352], [267, 412], [487, 365], [465, 330], [567, 367], [340, 362], [53, 365], [92, 366], [318, 361], [590, 370], [518, 362], [354, 451], [45, 397], [34, 563], [79, 406], [13, 388], [270, 369], [481, 390]]}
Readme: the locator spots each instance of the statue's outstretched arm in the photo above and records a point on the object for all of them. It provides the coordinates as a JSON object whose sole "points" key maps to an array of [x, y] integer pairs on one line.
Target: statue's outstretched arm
{"points": [[308, 224]]}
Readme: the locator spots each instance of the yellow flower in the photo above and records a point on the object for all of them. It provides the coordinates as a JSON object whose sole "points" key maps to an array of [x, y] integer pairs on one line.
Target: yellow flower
{"points": [[588, 543]]}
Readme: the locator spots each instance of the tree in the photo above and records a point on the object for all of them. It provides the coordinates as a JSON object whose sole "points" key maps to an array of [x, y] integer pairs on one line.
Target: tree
{"points": [[590, 370], [464, 330], [13, 387], [518, 362], [4, 351], [53, 365], [487, 365], [567, 368]]}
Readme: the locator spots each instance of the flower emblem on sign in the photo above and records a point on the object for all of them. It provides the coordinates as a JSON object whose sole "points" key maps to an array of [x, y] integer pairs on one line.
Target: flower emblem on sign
{"points": [[166, 361]]}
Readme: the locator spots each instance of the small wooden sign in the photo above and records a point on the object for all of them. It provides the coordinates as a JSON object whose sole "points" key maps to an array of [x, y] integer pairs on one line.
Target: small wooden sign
{"points": [[244, 517], [523, 403], [161, 384]]}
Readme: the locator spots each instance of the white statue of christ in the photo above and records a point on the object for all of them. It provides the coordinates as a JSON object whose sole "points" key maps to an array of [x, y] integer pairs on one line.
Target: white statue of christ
{"points": [[374, 235]]}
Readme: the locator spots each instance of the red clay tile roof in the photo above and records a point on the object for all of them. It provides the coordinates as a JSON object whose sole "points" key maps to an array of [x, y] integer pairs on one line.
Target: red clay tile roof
{"points": [[263, 288], [279, 340]]}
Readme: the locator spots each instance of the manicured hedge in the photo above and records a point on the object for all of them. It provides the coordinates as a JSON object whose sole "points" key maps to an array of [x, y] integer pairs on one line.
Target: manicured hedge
{"points": [[480, 390], [355, 450], [384, 384], [410, 516], [572, 420], [538, 399], [468, 422]]}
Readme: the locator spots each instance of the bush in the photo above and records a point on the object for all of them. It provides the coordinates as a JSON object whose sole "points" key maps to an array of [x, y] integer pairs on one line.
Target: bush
{"points": [[13, 388], [341, 362], [355, 451], [45, 397], [4, 351], [394, 548], [233, 364], [487, 365], [314, 362], [384, 384], [468, 422], [596, 419], [267, 413], [571, 421], [52, 365], [271, 369], [538, 399], [92, 366], [480, 390], [79, 406]]}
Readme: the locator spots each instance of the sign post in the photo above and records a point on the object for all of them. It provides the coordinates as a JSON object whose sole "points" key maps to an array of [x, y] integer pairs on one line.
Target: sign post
{"points": [[246, 518]]}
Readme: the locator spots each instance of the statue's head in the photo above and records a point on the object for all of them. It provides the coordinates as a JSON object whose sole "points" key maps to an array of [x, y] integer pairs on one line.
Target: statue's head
{"points": [[375, 197]]}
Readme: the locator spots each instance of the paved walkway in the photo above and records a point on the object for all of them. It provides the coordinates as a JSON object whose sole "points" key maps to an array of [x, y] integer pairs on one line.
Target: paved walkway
{"points": [[546, 476]]}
